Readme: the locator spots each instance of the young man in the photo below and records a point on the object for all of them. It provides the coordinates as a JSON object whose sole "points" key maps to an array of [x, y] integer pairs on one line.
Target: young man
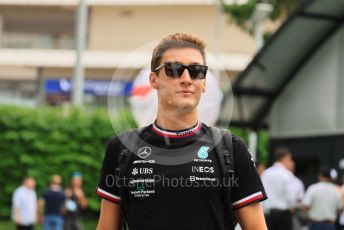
{"points": [[323, 202], [279, 182], [24, 205], [76, 201], [173, 169], [51, 205]]}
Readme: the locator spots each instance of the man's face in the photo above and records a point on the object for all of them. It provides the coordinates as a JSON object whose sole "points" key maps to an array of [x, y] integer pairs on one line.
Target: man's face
{"points": [[30, 183], [178, 94], [76, 182], [289, 163]]}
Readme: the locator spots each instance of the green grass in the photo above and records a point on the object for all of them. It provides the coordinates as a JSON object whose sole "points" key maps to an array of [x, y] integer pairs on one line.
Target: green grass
{"points": [[8, 225]]}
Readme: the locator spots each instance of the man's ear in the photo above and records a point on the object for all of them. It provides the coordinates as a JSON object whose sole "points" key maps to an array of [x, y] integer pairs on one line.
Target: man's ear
{"points": [[153, 79], [204, 86]]}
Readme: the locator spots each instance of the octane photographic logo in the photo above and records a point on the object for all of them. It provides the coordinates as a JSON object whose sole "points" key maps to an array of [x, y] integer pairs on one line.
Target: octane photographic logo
{"points": [[140, 102]]}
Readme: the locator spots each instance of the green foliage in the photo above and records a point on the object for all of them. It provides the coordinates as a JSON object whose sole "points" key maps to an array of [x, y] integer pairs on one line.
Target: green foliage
{"points": [[262, 145], [47, 141], [88, 223], [283, 7], [241, 14]]}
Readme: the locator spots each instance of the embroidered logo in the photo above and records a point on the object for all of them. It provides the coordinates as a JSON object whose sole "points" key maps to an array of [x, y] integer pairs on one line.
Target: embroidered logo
{"points": [[135, 171], [144, 152], [203, 152]]}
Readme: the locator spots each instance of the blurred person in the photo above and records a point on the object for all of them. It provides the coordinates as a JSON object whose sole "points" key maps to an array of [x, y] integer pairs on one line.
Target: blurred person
{"points": [[51, 205], [340, 224], [322, 201], [299, 218], [24, 205], [178, 73], [297, 186], [260, 167], [279, 183], [334, 175], [75, 202]]}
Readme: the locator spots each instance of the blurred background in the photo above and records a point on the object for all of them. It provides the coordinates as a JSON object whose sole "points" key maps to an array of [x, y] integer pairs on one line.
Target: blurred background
{"points": [[278, 65]]}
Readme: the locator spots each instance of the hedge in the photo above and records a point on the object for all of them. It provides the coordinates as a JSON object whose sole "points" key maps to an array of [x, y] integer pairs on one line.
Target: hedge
{"points": [[45, 141]]}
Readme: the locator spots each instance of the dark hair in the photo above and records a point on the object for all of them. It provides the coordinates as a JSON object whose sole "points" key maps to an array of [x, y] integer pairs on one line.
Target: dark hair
{"points": [[178, 40], [281, 152], [25, 178], [258, 163], [325, 171]]}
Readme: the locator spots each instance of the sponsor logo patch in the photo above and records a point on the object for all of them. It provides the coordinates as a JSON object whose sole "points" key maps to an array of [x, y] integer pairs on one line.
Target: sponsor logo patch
{"points": [[203, 152], [144, 152]]}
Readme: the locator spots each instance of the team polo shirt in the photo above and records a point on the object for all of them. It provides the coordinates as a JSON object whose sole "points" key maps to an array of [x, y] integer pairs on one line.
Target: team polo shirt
{"points": [[174, 181]]}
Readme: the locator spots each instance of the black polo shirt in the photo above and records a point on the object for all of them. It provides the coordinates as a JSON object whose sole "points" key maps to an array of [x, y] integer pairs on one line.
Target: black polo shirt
{"points": [[174, 181]]}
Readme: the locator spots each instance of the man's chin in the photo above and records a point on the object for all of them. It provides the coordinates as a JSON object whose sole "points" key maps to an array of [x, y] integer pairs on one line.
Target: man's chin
{"points": [[182, 107], [185, 108]]}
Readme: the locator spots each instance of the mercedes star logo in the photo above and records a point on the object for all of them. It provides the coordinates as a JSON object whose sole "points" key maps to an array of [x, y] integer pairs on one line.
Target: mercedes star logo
{"points": [[144, 152]]}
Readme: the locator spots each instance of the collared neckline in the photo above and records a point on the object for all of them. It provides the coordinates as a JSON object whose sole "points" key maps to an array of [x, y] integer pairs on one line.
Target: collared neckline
{"points": [[179, 133]]}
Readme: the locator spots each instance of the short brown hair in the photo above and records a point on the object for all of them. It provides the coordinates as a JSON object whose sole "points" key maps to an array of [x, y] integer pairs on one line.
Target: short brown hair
{"points": [[281, 152], [177, 40]]}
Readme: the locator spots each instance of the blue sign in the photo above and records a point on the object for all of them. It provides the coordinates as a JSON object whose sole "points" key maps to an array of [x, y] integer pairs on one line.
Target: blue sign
{"points": [[93, 87]]}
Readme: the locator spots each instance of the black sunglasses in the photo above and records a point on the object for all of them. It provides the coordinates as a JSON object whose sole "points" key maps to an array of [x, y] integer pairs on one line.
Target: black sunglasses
{"points": [[175, 70]]}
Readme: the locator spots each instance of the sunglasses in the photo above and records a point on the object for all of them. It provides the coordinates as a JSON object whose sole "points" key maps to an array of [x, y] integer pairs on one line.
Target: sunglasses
{"points": [[175, 70]]}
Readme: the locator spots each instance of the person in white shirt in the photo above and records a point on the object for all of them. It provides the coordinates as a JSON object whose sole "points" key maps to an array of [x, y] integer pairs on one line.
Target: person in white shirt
{"points": [[279, 182], [322, 201], [24, 205], [340, 224], [340, 220], [299, 218]]}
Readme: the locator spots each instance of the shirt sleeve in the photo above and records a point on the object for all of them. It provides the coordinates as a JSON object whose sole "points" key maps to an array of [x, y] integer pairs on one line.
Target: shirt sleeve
{"points": [[340, 203], [247, 187], [108, 187], [16, 199], [307, 200], [44, 195]]}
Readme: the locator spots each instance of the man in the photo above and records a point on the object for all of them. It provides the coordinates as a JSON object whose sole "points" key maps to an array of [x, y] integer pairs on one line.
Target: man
{"points": [[279, 183], [299, 218], [75, 202], [260, 167], [323, 202], [165, 191], [51, 204], [24, 205], [340, 224]]}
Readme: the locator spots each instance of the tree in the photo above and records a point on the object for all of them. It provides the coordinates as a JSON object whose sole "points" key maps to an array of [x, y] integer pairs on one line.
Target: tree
{"points": [[242, 13]]}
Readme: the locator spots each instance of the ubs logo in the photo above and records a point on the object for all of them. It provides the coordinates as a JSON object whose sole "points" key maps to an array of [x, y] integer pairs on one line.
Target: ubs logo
{"points": [[144, 152], [142, 171]]}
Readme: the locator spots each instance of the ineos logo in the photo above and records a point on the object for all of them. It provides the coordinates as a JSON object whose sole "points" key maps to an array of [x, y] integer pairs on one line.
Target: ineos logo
{"points": [[144, 152], [202, 169]]}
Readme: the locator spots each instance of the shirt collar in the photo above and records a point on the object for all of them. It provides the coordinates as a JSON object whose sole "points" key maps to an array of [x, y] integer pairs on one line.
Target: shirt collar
{"points": [[179, 133]]}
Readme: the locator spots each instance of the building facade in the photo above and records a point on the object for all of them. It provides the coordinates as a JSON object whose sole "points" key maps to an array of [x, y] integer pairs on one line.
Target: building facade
{"points": [[37, 40]]}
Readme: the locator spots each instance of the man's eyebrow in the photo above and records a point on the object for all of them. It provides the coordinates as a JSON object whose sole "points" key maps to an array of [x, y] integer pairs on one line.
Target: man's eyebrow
{"points": [[178, 62], [192, 63]]}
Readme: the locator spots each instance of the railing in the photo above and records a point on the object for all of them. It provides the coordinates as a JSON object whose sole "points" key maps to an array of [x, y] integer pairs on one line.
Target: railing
{"points": [[35, 41]]}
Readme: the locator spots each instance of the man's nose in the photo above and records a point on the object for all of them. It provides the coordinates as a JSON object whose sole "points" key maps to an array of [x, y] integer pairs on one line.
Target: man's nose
{"points": [[186, 78]]}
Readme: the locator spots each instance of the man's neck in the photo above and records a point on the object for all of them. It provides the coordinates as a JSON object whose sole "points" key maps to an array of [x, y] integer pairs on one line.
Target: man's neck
{"points": [[55, 187], [176, 122]]}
